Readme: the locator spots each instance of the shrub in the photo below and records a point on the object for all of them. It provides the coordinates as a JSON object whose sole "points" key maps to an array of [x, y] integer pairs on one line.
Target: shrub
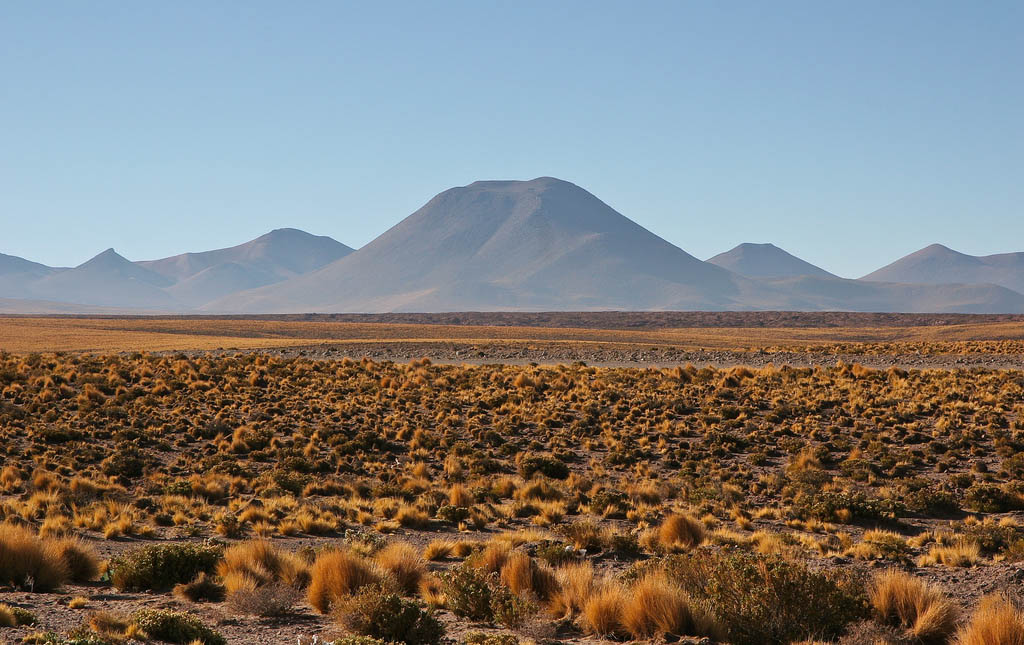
{"points": [[765, 598], [204, 588], [547, 466], [15, 616], [175, 627], [994, 622], [680, 531], [29, 562], [161, 566], [603, 611], [483, 638], [337, 574], [522, 575], [82, 562], [257, 563], [377, 613], [404, 564], [271, 599], [910, 603], [656, 605], [467, 592]]}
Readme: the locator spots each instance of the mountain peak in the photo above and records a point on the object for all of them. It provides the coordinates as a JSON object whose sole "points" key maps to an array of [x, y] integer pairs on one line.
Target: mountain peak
{"points": [[108, 258], [765, 261]]}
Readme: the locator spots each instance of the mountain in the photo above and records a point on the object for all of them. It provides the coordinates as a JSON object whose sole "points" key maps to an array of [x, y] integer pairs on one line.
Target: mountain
{"points": [[765, 261], [499, 245], [280, 254], [107, 280], [547, 244], [940, 264], [17, 273], [816, 293]]}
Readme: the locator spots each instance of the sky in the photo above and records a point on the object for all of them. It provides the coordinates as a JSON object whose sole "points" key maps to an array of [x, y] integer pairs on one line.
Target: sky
{"points": [[848, 133]]}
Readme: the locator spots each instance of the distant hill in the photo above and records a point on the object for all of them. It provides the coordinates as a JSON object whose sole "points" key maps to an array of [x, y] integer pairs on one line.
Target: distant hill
{"points": [[765, 261], [547, 244], [107, 280], [940, 264], [17, 273], [540, 244]]}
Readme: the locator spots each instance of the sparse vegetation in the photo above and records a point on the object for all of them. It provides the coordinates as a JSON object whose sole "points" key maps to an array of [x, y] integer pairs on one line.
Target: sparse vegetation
{"points": [[741, 505]]}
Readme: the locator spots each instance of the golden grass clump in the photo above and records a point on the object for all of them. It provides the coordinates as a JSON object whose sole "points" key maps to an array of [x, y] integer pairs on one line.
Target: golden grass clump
{"points": [[337, 574], [29, 562], [404, 564], [256, 563], [522, 575], [995, 622], [656, 606], [603, 611], [680, 532], [911, 603], [576, 583]]}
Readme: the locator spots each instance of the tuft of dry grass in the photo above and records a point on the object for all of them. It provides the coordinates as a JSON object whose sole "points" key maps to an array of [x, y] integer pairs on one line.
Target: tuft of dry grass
{"points": [[962, 553], [995, 622], [522, 575], [911, 603], [680, 532], [337, 574], [258, 562], [603, 611], [29, 562], [405, 565], [576, 583], [658, 606]]}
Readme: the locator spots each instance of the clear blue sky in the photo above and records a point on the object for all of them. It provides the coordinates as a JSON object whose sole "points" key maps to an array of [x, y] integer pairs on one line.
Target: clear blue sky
{"points": [[849, 133]]}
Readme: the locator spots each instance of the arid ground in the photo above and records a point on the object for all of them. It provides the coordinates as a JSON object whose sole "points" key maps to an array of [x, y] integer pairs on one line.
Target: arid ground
{"points": [[503, 478]]}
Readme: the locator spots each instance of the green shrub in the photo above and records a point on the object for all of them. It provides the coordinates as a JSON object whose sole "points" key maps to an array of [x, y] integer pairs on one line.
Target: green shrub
{"points": [[989, 498], [483, 638], [546, 466], [467, 593], [767, 599], [161, 566], [377, 613], [175, 627], [15, 616]]}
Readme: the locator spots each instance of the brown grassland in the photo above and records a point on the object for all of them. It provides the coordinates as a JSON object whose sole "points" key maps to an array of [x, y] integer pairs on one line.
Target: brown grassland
{"points": [[20, 334], [244, 497]]}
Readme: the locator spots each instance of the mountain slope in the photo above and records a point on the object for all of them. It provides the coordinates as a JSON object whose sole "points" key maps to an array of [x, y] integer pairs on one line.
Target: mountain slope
{"points": [[540, 244], [16, 274], [107, 280], [278, 255], [939, 264], [765, 261]]}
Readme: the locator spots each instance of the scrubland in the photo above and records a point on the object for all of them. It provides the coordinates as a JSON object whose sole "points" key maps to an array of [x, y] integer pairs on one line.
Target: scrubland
{"points": [[250, 498]]}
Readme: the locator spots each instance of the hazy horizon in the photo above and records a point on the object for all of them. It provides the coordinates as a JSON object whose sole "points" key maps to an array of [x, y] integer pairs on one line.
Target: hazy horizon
{"points": [[847, 135]]}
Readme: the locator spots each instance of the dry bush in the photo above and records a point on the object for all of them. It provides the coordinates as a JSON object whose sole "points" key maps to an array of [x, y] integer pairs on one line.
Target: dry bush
{"points": [[911, 603], [82, 562], [962, 553], [271, 599], [29, 562], [656, 606], [337, 574], [680, 531], [204, 588], [259, 562], [576, 583], [995, 622], [404, 564], [604, 610], [522, 575]]}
